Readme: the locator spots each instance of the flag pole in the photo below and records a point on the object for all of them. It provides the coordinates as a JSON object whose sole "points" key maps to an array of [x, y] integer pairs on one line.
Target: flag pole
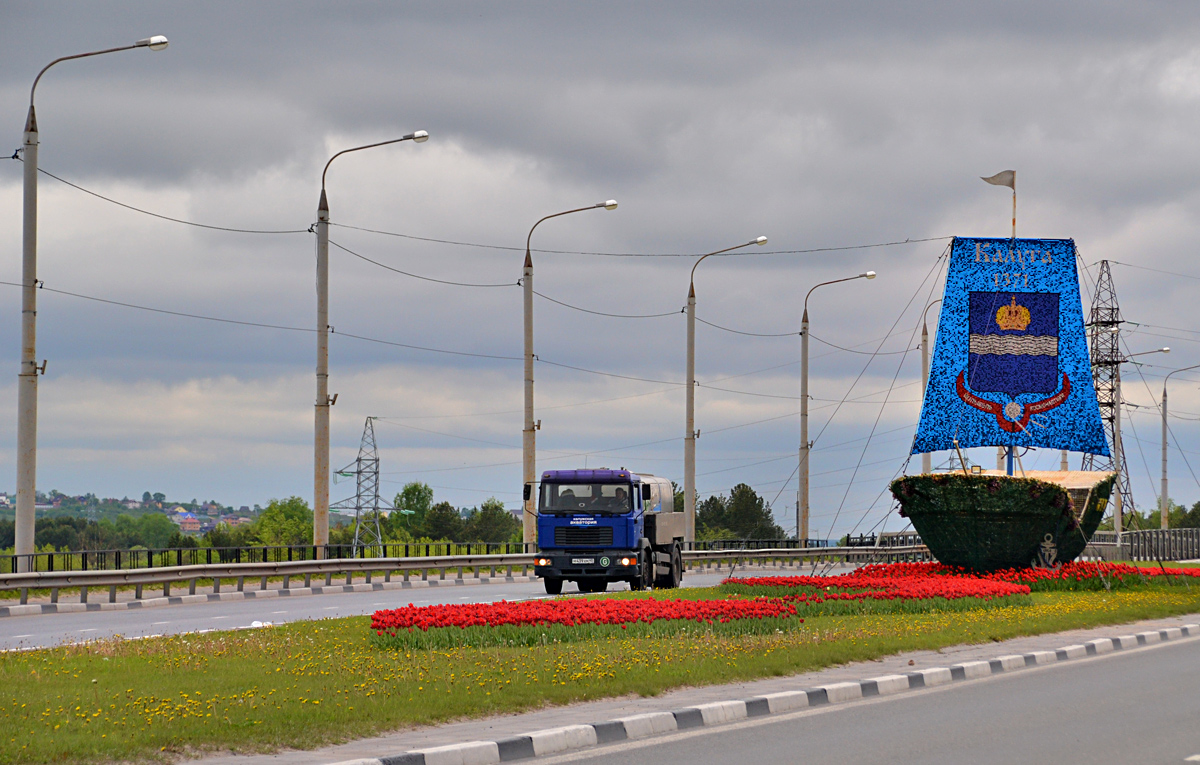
{"points": [[1011, 449]]}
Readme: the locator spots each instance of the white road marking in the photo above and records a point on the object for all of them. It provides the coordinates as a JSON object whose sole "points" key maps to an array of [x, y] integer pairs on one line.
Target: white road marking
{"points": [[1193, 758], [21, 636], [220, 617], [92, 629], [278, 612], [331, 608], [155, 624]]}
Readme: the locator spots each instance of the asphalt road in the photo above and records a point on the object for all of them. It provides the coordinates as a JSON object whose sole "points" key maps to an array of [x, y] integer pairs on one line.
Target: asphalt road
{"points": [[56, 629], [1137, 707]]}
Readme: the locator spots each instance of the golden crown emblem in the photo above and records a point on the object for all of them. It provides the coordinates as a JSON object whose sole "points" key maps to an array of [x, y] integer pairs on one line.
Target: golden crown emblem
{"points": [[1013, 317]]}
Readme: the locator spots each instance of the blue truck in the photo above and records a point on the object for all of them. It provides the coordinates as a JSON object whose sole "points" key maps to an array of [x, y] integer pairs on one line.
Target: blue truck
{"points": [[601, 525]]}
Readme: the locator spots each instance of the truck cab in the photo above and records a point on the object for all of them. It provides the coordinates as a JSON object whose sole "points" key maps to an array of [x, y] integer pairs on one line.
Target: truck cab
{"points": [[597, 526]]}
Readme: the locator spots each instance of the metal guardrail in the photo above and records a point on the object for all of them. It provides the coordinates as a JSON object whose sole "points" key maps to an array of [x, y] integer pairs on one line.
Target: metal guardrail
{"points": [[406, 567], [1148, 545], [107, 560]]}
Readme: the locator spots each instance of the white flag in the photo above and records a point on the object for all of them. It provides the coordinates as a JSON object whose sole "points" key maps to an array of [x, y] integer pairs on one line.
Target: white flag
{"points": [[1005, 178]]}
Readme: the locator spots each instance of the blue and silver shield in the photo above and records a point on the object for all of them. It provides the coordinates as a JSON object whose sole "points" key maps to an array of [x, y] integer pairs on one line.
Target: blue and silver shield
{"points": [[1013, 345]]}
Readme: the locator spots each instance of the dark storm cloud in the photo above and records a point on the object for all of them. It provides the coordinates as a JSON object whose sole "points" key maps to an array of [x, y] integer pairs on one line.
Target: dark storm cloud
{"points": [[817, 124]]}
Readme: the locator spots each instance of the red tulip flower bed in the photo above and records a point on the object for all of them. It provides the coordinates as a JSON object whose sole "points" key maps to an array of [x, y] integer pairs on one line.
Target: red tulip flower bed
{"points": [[1077, 575], [883, 588], [538, 622]]}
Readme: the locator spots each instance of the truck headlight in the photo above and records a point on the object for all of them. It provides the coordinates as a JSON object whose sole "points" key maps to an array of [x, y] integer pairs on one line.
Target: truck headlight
{"points": [[542, 562]]}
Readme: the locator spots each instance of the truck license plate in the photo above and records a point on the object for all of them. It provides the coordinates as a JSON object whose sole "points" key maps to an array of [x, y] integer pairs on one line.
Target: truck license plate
{"points": [[582, 561]]}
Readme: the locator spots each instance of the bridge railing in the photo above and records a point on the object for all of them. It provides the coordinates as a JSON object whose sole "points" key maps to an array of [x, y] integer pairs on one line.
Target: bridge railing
{"points": [[476, 566], [112, 560], [1148, 545]]}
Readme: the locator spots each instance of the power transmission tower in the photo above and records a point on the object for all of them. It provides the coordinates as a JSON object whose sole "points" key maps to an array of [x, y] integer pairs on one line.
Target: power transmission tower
{"points": [[366, 503], [1104, 337]]}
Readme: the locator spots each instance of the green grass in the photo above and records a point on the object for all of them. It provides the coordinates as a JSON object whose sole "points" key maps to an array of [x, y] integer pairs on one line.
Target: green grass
{"points": [[309, 684]]}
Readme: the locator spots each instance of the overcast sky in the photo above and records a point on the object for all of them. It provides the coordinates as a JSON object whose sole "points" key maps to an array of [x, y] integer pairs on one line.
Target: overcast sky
{"points": [[818, 125]]}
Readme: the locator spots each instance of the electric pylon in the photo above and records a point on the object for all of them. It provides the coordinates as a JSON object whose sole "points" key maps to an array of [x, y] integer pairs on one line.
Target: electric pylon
{"points": [[366, 503], [1104, 337]]}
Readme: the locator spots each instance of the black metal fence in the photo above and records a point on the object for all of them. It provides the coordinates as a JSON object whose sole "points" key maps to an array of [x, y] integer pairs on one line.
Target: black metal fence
{"points": [[110, 560], [888, 539], [756, 544]]}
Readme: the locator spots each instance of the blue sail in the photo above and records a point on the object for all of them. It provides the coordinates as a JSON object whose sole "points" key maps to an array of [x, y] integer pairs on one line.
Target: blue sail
{"points": [[1010, 366]]}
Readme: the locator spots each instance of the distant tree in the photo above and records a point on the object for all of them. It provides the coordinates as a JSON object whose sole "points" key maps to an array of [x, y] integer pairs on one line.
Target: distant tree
{"points": [[749, 516], [710, 514], [154, 530], [8, 534], [443, 522], [285, 522], [147, 498], [179, 539], [743, 515], [490, 523], [679, 499], [413, 502], [159, 497]]}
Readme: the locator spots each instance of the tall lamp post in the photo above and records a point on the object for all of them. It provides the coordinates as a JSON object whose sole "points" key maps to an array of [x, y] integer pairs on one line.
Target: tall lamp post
{"points": [[1163, 502], [27, 375], [926, 458], [528, 439], [690, 433], [805, 446], [324, 401], [1118, 449]]}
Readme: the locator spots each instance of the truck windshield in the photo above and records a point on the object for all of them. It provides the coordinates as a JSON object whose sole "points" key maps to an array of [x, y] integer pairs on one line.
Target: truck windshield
{"points": [[593, 498]]}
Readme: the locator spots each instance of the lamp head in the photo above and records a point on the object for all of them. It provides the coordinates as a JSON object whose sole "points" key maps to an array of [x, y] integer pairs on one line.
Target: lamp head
{"points": [[761, 240], [610, 204], [421, 136], [1164, 349], [868, 275], [157, 42]]}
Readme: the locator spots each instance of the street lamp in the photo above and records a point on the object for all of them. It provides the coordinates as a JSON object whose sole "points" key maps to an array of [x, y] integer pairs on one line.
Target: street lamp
{"points": [[324, 401], [690, 433], [1163, 502], [29, 369], [1118, 450], [528, 439], [802, 491]]}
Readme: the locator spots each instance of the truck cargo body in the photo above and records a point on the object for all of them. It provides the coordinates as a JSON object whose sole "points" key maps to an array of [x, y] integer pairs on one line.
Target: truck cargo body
{"points": [[600, 526]]}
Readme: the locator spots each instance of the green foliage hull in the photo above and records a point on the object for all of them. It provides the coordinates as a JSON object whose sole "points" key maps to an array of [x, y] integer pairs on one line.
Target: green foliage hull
{"points": [[985, 522]]}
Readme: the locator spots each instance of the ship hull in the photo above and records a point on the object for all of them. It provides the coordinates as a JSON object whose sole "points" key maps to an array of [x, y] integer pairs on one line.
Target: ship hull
{"points": [[991, 522]]}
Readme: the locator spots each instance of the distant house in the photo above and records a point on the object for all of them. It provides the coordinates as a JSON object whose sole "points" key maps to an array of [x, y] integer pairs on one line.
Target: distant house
{"points": [[188, 523], [4, 500], [244, 509], [132, 504]]}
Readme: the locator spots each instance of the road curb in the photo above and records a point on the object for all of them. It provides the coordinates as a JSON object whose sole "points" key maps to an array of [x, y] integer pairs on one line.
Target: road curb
{"points": [[37, 609], [574, 737]]}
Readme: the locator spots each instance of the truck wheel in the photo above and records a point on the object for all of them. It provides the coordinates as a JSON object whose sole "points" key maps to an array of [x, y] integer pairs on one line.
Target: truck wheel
{"points": [[676, 567], [553, 585]]}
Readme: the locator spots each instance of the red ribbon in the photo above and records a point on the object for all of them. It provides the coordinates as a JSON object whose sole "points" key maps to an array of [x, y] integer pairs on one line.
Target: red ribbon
{"points": [[1027, 410]]}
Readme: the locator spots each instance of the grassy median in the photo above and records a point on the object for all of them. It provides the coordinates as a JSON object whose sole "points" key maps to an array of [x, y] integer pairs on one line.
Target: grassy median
{"points": [[309, 684]]}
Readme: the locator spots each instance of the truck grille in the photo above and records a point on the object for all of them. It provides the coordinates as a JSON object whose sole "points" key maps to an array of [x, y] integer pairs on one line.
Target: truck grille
{"points": [[589, 536]]}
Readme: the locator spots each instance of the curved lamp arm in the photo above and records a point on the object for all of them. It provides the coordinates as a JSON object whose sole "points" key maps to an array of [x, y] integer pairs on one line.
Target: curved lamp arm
{"points": [[1184, 369], [610, 204], [157, 42], [692, 279], [863, 275], [418, 137]]}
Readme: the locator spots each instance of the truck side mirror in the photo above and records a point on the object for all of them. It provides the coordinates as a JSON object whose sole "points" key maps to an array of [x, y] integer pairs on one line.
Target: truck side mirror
{"points": [[528, 492], [645, 492]]}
